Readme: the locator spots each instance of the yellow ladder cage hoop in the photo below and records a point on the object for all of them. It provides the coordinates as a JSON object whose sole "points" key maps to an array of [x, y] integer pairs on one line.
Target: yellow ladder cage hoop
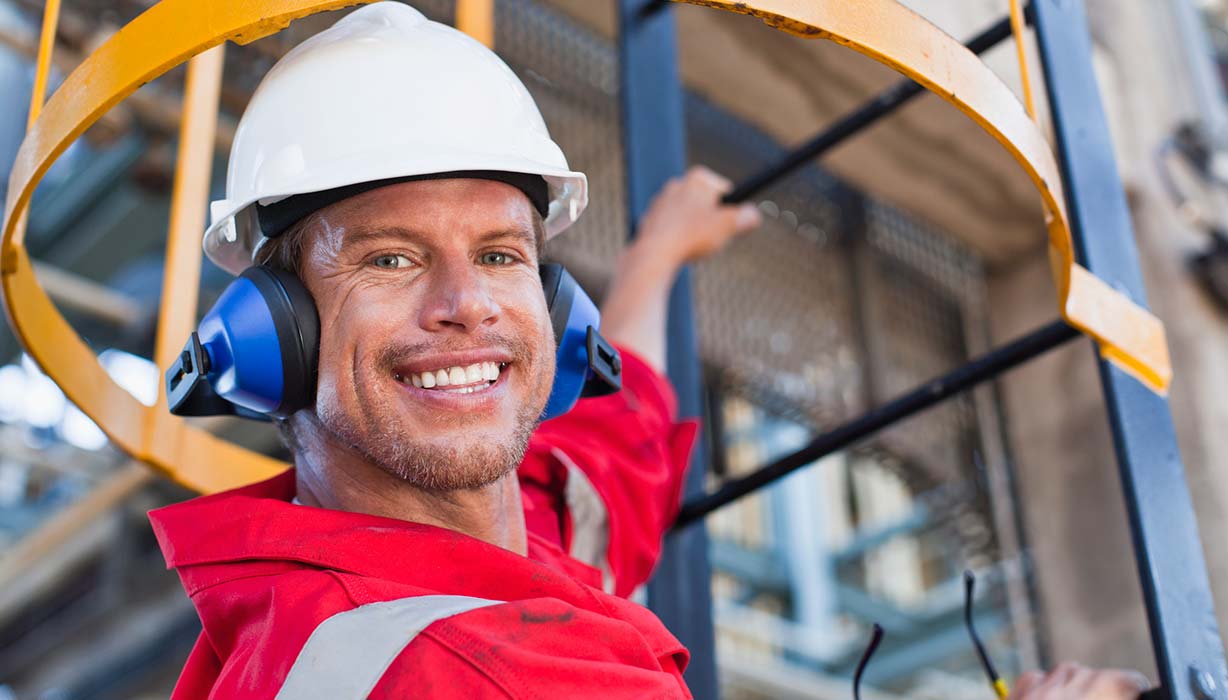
{"points": [[164, 36], [173, 31]]}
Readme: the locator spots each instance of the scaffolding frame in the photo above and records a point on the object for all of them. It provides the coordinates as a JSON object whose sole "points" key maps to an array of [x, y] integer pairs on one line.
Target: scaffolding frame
{"points": [[1185, 638]]}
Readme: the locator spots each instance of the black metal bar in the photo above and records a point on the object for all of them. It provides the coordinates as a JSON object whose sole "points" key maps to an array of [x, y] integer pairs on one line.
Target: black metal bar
{"points": [[863, 117], [651, 8], [1189, 652], [964, 377], [654, 139]]}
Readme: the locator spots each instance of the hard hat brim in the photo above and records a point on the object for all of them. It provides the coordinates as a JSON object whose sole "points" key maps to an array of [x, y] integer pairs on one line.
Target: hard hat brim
{"points": [[234, 235]]}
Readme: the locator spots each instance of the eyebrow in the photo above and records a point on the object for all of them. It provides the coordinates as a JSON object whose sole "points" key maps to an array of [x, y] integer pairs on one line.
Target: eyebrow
{"points": [[365, 234], [523, 235]]}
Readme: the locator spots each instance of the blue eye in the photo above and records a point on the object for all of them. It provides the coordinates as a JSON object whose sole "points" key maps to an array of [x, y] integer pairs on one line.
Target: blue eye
{"points": [[496, 259], [391, 262]]}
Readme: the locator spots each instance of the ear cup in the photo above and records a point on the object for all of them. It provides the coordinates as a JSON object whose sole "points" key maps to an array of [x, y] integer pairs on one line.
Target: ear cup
{"points": [[572, 313], [262, 339], [559, 287], [297, 324]]}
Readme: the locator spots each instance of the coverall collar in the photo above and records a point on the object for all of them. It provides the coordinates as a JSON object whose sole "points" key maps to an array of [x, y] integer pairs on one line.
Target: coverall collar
{"points": [[257, 523]]}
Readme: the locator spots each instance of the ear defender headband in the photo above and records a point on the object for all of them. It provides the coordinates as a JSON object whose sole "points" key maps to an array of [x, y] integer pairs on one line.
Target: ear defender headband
{"points": [[255, 352]]}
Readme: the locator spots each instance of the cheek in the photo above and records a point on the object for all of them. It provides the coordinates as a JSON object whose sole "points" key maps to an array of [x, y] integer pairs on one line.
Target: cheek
{"points": [[531, 317], [546, 334], [537, 324], [334, 365], [350, 331]]}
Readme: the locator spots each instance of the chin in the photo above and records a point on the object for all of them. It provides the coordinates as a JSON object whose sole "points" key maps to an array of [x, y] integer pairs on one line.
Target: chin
{"points": [[442, 453], [450, 467], [437, 442]]}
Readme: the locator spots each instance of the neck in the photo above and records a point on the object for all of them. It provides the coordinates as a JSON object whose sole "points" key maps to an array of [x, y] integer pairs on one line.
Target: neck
{"points": [[330, 477]]}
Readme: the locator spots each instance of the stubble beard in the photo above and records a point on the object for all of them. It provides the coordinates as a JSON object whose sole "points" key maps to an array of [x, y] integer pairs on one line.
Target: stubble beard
{"points": [[381, 439], [433, 467]]}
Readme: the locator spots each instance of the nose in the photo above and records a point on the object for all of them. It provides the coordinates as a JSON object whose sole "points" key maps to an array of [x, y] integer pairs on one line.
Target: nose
{"points": [[458, 298]]}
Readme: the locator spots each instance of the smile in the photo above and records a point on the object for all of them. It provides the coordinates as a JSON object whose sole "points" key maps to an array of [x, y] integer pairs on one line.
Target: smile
{"points": [[467, 379]]}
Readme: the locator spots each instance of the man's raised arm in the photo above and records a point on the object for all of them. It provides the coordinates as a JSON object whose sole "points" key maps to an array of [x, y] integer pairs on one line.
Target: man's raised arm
{"points": [[604, 479]]}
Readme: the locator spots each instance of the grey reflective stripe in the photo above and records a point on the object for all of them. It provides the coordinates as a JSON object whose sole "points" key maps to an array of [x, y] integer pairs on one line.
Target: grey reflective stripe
{"points": [[590, 521], [348, 653]]}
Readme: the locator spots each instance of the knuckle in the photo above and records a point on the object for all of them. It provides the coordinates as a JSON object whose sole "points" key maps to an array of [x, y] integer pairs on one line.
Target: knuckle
{"points": [[1067, 668], [1062, 674], [1028, 682], [1126, 681], [707, 177]]}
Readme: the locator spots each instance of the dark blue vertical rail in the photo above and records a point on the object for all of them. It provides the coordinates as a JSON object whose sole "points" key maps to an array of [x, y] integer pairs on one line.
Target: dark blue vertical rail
{"points": [[654, 140], [1188, 649]]}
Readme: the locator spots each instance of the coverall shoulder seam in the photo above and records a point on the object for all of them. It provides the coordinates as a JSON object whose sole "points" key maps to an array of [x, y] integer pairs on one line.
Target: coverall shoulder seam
{"points": [[267, 574]]}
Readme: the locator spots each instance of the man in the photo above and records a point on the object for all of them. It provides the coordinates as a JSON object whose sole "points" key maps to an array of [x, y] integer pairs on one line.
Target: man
{"points": [[428, 542]]}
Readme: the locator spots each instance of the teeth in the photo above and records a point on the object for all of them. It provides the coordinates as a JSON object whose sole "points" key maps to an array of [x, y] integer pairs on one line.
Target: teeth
{"points": [[455, 376], [465, 390]]}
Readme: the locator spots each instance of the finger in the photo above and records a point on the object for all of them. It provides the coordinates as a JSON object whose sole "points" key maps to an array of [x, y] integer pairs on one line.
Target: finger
{"points": [[748, 217], [1140, 682], [1123, 683], [710, 179], [1087, 682], [1026, 683], [740, 218], [1064, 674]]}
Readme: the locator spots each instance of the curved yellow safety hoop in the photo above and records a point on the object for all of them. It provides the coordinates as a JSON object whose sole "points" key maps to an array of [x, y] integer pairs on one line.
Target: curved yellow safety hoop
{"points": [[161, 38], [173, 31]]}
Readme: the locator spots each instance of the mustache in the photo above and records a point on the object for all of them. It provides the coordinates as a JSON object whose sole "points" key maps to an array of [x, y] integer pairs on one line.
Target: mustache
{"points": [[399, 353]]}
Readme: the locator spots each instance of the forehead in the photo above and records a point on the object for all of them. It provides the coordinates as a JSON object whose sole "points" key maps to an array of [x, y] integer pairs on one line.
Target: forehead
{"points": [[453, 205]]}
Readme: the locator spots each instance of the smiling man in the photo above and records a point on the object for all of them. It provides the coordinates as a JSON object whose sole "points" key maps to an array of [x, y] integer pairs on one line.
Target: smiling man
{"points": [[434, 539]]}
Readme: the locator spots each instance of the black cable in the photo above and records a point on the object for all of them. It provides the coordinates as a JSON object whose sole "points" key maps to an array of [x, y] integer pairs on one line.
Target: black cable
{"points": [[875, 640], [995, 680]]}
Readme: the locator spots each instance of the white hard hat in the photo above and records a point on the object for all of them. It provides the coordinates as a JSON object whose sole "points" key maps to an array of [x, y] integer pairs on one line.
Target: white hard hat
{"points": [[383, 94]]}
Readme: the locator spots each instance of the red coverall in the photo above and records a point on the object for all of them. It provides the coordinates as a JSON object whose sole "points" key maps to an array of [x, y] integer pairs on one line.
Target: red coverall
{"points": [[302, 602]]}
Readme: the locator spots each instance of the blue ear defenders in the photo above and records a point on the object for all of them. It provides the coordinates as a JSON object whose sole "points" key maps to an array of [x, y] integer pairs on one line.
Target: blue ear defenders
{"points": [[255, 352], [585, 364]]}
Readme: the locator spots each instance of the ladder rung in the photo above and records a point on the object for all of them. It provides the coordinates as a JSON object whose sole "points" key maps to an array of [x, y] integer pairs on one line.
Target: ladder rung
{"points": [[985, 367]]}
